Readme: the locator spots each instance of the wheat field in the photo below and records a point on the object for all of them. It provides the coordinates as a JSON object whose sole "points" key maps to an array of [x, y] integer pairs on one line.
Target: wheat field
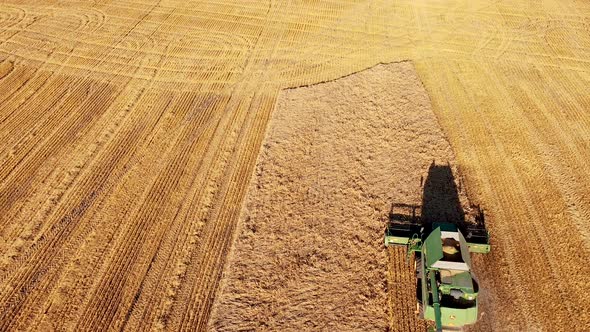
{"points": [[129, 132]]}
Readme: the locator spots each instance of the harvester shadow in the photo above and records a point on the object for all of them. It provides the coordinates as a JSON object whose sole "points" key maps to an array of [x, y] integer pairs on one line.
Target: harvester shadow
{"points": [[440, 203], [440, 197]]}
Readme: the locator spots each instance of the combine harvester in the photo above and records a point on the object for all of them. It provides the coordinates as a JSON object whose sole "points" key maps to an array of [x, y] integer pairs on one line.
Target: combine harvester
{"points": [[446, 288]]}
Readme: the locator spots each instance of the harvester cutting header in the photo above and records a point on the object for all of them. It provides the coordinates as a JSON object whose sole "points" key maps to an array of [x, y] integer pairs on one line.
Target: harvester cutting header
{"points": [[441, 239]]}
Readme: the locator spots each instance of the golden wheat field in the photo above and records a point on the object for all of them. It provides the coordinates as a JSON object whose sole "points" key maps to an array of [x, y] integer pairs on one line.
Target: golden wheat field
{"points": [[130, 132]]}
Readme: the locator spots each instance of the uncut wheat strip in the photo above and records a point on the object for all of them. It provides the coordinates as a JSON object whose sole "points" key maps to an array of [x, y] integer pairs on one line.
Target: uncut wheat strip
{"points": [[236, 112], [228, 234], [199, 209], [204, 215], [245, 176]]}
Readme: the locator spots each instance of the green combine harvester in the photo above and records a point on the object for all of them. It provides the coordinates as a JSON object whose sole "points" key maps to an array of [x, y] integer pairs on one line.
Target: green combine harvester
{"points": [[446, 288]]}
